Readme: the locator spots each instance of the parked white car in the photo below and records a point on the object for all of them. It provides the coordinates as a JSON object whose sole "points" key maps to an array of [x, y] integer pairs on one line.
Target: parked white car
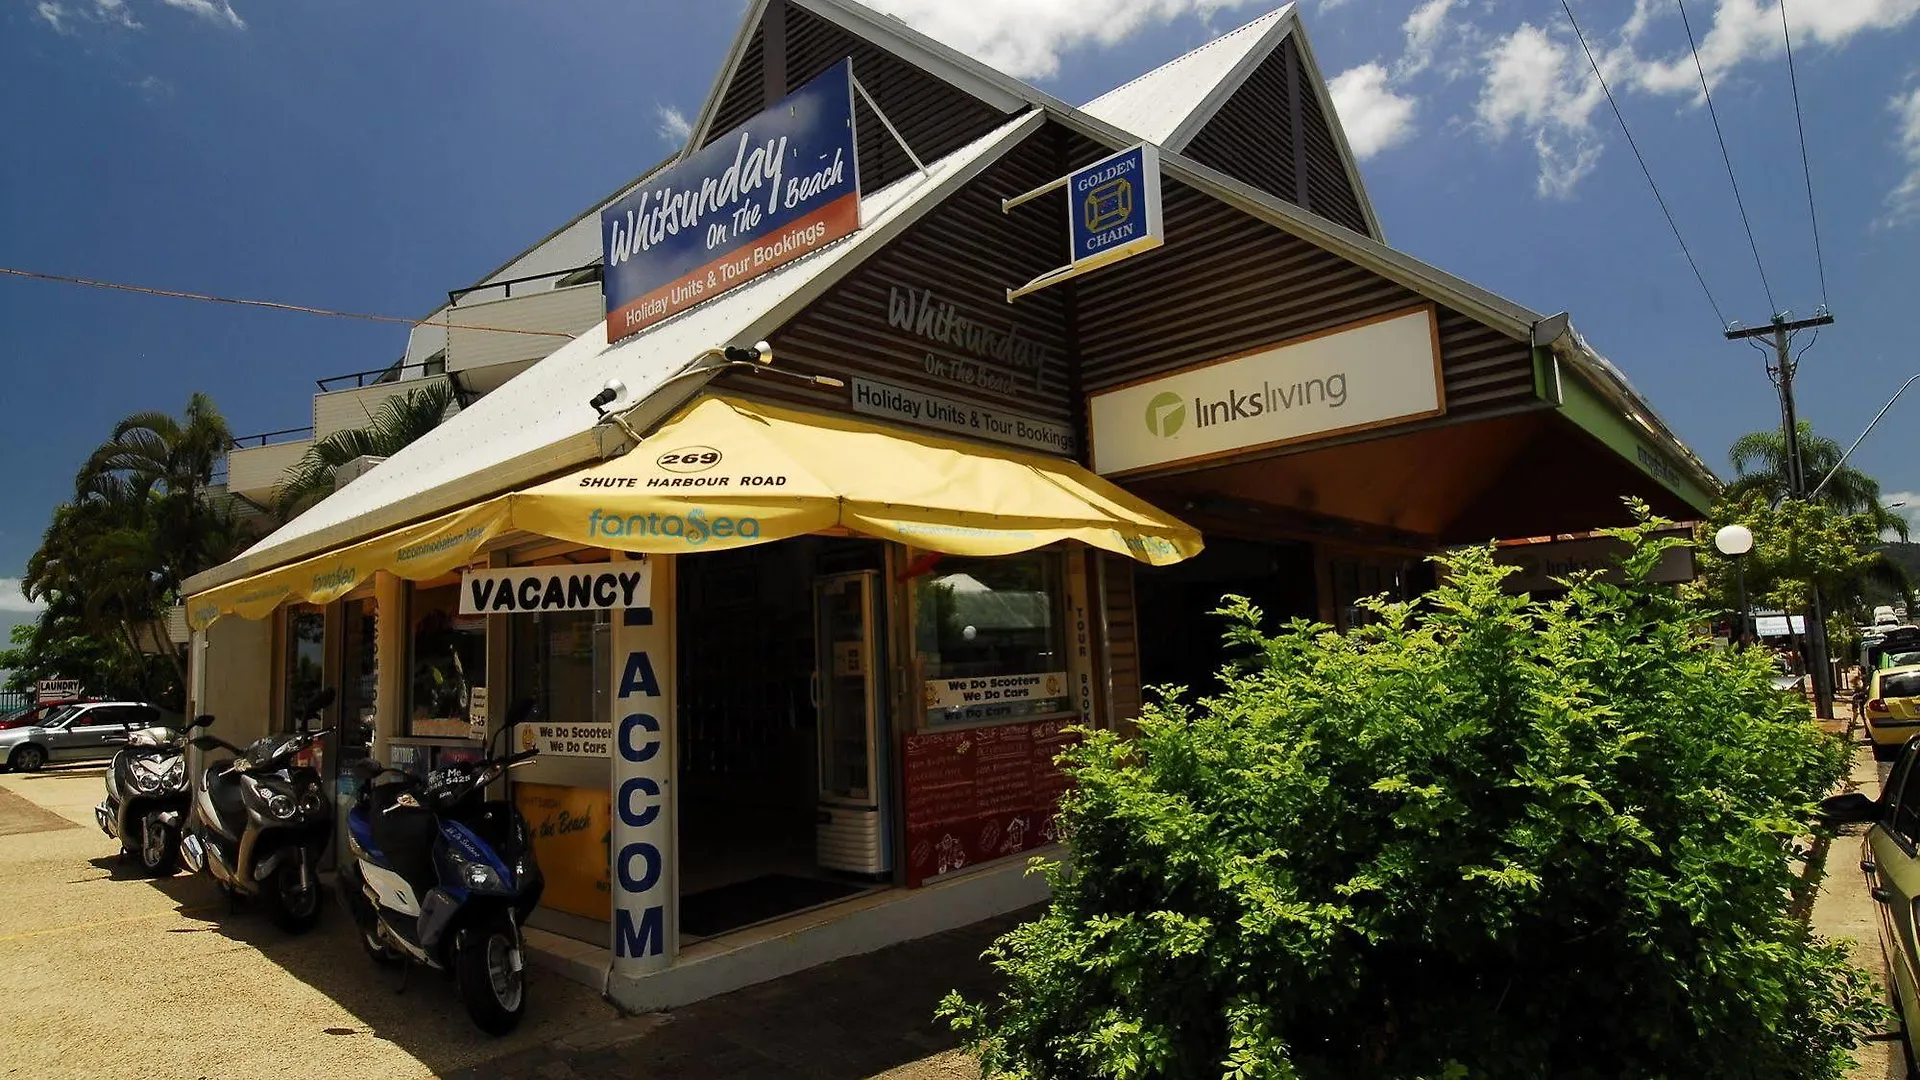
{"points": [[89, 731]]}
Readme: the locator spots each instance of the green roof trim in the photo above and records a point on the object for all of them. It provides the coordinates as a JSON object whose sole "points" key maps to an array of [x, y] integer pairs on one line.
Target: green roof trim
{"points": [[1587, 408]]}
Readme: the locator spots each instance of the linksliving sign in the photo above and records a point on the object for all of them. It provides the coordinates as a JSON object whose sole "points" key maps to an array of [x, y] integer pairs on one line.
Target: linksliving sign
{"points": [[1360, 375], [779, 186]]}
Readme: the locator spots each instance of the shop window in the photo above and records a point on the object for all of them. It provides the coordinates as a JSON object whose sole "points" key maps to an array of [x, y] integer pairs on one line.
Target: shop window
{"points": [[446, 661], [559, 660], [359, 677], [306, 661], [988, 638]]}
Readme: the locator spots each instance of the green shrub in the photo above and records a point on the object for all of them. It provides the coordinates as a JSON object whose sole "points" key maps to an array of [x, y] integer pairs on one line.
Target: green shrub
{"points": [[1482, 837]]}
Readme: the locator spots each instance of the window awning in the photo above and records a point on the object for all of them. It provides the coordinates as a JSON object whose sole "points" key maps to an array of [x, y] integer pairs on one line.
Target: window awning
{"points": [[727, 473]]}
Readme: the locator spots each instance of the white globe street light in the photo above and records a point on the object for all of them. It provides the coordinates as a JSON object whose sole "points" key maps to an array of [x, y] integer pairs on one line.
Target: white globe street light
{"points": [[1735, 541]]}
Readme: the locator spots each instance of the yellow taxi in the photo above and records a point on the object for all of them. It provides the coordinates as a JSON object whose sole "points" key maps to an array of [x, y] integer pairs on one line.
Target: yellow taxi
{"points": [[1893, 709]]}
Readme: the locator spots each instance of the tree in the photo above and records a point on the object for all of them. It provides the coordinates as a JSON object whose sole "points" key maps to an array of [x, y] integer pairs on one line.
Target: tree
{"points": [[1760, 467], [140, 523], [399, 421], [1482, 836]]}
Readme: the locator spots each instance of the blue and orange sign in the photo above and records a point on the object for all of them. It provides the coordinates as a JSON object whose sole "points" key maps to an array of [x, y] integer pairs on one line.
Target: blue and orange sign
{"points": [[784, 184]]}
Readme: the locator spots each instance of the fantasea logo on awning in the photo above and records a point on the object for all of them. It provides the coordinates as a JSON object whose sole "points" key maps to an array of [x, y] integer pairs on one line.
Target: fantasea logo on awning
{"points": [[693, 528]]}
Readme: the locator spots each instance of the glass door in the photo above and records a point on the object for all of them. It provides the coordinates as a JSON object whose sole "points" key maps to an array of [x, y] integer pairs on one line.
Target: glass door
{"points": [[847, 676]]}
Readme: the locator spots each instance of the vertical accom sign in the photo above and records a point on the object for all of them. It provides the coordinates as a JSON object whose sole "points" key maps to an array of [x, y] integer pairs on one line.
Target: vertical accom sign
{"points": [[643, 763], [782, 185]]}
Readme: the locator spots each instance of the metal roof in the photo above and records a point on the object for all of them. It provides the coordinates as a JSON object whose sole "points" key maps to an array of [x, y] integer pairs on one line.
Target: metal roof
{"points": [[540, 423], [1159, 105]]}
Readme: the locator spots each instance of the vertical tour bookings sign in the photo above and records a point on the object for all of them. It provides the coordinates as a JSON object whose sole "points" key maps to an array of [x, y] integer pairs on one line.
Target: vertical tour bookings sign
{"points": [[779, 186]]}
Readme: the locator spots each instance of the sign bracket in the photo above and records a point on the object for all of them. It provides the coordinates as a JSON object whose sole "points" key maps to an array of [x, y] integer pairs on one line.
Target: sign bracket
{"points": [[886, 123], [1121, 217]]}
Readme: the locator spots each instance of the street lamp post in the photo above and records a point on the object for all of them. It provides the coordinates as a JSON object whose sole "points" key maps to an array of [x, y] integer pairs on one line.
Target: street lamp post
{"points": [[1735, 541]]}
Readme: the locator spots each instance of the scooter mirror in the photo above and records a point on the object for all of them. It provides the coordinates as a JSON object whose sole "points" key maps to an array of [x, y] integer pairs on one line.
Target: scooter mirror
{"points": [[206, 743], [203, 720], [320, 701]]}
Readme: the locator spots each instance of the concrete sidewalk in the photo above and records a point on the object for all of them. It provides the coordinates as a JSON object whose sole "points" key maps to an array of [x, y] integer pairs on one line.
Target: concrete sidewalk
{"points": [[1844, 908], [866, 1016]]}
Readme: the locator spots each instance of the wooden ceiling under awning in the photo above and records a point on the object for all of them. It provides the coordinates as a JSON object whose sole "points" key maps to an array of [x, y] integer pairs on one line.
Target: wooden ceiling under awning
{"points": [[1527, 474]]}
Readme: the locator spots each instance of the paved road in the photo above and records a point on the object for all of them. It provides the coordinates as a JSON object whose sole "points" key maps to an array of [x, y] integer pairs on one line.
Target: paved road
{"points": [[104, 974]]}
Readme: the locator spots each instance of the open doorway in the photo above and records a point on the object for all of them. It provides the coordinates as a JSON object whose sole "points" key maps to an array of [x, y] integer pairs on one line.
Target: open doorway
{"points": [[750, 687], [1180, 638]]}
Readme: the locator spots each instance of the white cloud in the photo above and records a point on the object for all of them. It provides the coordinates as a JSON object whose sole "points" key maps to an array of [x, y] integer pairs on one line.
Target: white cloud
{"points": [[1424, 28], [115, 13], [1541, 86], [55, 15], [1903, 202], [1537, 82], [1025, 38], [1373, 115], [674, 127], [13, 599], [219, 11]]}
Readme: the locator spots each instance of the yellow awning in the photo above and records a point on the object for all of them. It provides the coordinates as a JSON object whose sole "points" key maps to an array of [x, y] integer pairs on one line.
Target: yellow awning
{"points": [[727, 473]]}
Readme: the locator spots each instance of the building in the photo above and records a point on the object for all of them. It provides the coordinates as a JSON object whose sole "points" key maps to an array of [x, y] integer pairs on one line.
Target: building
{"points": [[872, 580]]}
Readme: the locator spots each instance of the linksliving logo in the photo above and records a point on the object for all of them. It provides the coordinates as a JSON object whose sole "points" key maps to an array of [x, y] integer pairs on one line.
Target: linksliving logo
{"points": [[1166, 413]]}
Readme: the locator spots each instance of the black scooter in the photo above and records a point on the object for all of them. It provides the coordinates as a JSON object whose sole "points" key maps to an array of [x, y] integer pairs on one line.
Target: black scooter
{"points": [[146, 789], [260, 822]]}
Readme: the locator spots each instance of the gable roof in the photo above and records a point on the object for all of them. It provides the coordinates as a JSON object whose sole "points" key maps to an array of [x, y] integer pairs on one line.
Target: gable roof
{"points": [[540, 423], [1168, 104]]}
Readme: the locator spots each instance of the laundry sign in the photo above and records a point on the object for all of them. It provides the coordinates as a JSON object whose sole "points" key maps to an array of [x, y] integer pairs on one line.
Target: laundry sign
{"points": [[51, 690], [570, 587]]}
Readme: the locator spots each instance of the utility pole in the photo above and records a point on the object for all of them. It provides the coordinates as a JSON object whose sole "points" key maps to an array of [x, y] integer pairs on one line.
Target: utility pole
{"points": [[1782, 371]]}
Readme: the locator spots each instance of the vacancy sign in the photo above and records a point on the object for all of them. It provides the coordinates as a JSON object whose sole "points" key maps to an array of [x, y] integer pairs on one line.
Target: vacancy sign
{"points": [[782, 185], [568, 587], [1362, 375]]}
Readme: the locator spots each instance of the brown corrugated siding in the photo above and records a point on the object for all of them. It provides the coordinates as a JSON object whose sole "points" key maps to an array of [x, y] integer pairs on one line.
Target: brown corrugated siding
{"points": [[1227, 284], [1123, 641], [934, 117], [1250, 138], [1327, 183], [968, 252]]}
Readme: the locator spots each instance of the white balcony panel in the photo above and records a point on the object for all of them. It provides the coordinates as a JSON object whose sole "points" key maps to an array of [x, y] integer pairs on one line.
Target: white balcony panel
{"points": [[570, 311], [254, 471], [342, 410]]}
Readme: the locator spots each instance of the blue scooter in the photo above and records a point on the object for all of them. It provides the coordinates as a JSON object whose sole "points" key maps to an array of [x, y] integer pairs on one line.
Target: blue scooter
{"points": [[441, 876]]}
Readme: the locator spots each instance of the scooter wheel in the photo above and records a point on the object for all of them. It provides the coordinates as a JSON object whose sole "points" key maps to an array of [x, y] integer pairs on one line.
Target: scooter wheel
{"points": [[159, 850], [295, 909], [492, 974]]}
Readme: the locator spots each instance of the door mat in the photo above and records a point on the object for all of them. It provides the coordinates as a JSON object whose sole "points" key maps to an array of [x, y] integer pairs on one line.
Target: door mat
{"points": [[743, 903], [19, 814]]}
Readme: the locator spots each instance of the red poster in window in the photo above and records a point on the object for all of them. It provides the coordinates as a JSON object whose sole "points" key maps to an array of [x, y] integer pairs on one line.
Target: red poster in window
{"points": [[982, 794]]}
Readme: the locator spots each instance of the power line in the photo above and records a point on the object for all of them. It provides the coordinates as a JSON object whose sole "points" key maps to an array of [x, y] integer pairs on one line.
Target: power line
{"points": [[1644, 171], [273, 305], [1772, 307], [1805, 168]]}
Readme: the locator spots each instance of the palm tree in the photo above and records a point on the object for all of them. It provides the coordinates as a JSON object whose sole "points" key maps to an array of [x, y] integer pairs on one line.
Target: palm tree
{"points": [[1760, 466], [400, 420]]}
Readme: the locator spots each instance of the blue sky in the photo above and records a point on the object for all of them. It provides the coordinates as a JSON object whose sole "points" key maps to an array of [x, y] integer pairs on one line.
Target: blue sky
{"points": [[370, 156]]}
